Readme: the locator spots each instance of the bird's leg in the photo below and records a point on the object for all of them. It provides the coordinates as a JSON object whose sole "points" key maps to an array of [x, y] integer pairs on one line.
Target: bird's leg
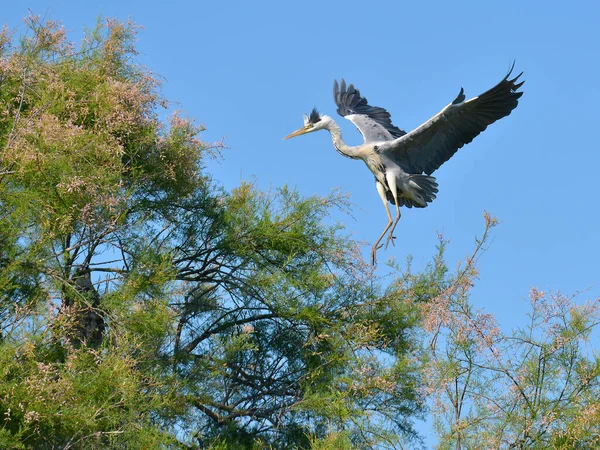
{"points": [[391, 182], [391, 235], [381, 191]]}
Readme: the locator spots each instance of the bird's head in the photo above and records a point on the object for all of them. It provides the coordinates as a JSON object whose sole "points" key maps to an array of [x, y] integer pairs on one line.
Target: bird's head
{"points": [[312, 122]]}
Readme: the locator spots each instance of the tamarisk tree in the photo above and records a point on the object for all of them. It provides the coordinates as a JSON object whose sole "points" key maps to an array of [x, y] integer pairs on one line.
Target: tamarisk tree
{"points": [[535, 387], [143, 306]]}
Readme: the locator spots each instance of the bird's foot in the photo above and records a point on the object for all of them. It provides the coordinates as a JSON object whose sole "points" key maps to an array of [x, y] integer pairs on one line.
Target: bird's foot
{"points": [[374, 255], [390, 238]]}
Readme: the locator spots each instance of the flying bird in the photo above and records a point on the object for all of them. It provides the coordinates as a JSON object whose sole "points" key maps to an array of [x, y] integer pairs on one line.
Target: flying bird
{"points": [[403, 162]]}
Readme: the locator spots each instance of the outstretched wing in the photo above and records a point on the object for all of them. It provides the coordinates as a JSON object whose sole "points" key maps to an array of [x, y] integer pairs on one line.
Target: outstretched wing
{"points": [[373, 122], [427, 147]]}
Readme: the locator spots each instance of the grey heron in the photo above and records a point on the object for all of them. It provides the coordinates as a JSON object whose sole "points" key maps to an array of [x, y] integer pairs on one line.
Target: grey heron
{"points": [[403, 162]]}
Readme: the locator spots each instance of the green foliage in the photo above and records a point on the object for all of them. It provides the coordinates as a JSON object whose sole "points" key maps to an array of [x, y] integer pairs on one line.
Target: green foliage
{"points": [[537, 387], [142, 306], [79, 398]]}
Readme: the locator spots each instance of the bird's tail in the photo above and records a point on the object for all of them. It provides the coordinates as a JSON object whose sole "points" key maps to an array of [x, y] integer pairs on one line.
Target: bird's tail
{"points": [[422, 190]]}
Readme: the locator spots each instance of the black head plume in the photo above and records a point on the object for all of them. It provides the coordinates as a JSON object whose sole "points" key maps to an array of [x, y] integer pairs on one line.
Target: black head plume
{"points": [[314, 116]]}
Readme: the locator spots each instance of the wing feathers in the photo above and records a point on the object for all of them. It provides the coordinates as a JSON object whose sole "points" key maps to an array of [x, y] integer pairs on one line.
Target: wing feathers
{"points": [[427, 147], [460, 97], [373, 122]]}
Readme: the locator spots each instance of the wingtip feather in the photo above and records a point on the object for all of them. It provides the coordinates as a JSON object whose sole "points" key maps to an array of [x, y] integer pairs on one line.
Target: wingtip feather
{"points": [[460, 97]]}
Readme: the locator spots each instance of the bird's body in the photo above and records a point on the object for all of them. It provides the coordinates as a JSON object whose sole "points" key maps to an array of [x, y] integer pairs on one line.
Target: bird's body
{"points": [[412, 189], [401, 162]]}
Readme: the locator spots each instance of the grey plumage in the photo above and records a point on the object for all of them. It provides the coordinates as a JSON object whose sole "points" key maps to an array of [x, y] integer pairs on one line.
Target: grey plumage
{"points": [[373, 122], [425, 185], [401, 162], [429, 146]]}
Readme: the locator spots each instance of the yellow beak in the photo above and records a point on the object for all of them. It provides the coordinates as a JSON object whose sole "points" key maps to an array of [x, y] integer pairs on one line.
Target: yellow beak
{"points": [[303, 130]]}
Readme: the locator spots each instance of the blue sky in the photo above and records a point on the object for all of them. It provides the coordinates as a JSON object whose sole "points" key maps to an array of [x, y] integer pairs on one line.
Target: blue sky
{"points": [[248, 71]]}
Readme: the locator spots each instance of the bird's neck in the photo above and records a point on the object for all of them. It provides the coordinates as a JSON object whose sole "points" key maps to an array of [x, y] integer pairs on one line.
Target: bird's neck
{"points": [[338, 142]]}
